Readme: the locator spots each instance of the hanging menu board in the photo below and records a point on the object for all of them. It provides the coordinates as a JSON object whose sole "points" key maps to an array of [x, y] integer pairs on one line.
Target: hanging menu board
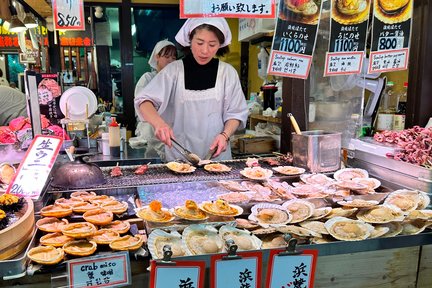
{"points": [[294, 38], [68, 14], [348, 30], [391, 31]]}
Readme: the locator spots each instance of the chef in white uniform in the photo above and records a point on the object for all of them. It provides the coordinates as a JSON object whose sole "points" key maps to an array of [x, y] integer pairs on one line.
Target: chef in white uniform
{"points": [[163, 53], [197, 100]]}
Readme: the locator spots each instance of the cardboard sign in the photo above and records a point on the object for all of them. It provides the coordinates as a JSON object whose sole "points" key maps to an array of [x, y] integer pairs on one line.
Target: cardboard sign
{"points": [[228, 8], [294, 40], [292, 270], [68, 14], [33, 172], [391, 33], [100, 271], [183, 274], [242, 272], [348, 31]]}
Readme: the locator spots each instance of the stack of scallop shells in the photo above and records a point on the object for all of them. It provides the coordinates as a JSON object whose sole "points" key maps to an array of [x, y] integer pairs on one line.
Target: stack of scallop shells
{"points": [[82, 238]]}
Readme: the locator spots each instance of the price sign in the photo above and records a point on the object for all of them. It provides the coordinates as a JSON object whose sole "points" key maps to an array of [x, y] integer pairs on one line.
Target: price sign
{"points": [[391, 33], [289, 64], [68, 14], [242, 272], [100, 271], [291, 270], [228, 8], [343, 63], [182, 274], [294, 42], [33, 172]]}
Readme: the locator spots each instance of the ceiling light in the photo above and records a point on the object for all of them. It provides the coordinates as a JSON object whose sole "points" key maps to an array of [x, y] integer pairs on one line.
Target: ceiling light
{"points": [[16, 25], [29, 21]]}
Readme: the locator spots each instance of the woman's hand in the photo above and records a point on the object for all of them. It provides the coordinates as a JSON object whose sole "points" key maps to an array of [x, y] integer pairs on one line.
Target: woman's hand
{"points": [[164, 133], [220, 143]]}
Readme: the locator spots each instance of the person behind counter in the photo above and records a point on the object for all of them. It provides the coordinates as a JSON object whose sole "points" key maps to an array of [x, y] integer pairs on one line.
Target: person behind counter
{"points": [[12, 104], [197, 100], [163, 53]]}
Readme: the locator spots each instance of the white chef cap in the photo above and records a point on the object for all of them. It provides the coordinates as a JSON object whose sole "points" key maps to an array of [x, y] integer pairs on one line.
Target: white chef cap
{"points": [[158, 47], [182, 36]]}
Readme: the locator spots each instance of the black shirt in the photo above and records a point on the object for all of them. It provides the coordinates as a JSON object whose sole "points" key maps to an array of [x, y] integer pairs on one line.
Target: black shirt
{"points": [[199, 77]]}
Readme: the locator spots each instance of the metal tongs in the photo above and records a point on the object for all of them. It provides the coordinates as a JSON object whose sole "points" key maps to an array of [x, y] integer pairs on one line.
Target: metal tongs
{"points": [[189, 156]]}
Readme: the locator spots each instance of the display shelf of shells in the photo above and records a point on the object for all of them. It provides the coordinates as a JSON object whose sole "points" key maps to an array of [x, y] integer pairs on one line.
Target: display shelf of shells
{"points": [[82, 225]]}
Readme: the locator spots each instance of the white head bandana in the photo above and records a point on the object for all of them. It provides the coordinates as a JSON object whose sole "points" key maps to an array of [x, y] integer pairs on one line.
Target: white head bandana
{"points": [[182, 36], [158, 47]]}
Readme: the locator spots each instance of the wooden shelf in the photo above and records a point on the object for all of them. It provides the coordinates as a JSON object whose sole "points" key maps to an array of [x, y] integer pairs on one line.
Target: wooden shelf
{"points": [[255, 119]]}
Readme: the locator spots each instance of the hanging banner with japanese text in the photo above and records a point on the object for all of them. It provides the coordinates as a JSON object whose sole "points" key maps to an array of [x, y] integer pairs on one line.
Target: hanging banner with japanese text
{"points": [[33, 171], [181, 274], [100, 271], [294, 38], [391, 32], [241, 272], [291, 270], [228, 8], [68, 14], [348, 31]]}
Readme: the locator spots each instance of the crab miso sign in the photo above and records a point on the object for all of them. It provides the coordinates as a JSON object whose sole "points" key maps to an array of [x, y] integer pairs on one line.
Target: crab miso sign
{"points": [[348, 30], [391, 32], [294, 38], [289, 271], [228, 8], [68, 14]]}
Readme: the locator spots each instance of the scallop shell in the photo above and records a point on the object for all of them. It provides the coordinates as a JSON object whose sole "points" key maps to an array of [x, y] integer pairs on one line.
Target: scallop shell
{"points": [[316, 179], [192, 214], [181, 168], [159, 238], [217, 168], [316, 226], [212, 208], [350, 173], [341, 212], [406, 200], [256, 173], [299, 231], [424, 200], [233, 186], [381, 214], [243, 239], [371, 183], [318, 240], [202, 239], [358, 203], [350, 184], [309, 191], [266, 215], [245, 224], [379, 231], [273, 241], [413, 227], [300, 210], [424, 214], [236, 197], [289, 170], [264, 231], [346, 229], [320, 213], [149, 215], [395, 228]]}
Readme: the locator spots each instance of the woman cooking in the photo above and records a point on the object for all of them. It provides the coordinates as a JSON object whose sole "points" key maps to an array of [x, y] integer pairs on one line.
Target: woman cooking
{"points": [[197, 100]]}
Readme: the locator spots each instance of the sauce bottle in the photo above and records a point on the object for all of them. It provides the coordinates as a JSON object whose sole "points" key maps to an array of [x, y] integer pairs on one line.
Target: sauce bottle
{"points": [[114, 138]]}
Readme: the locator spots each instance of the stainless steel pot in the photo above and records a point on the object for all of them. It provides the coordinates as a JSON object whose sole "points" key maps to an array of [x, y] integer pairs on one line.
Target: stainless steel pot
{"points": [[77, 175]]}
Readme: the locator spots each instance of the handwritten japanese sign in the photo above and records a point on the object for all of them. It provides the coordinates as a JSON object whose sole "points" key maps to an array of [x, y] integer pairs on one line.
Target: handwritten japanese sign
{"points": [[33, 172], [228, 8], [184, 274], [391, 33], [100, 271], [294, 40], [242, 273], [293, 271], [68, 14], [348, 30]]}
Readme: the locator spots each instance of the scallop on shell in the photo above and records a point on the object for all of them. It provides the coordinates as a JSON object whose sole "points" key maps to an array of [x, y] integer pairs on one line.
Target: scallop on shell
{"points": [[395, 228], [316, 179], [350, 173], [379, 231], [289, 170], [381, 214], [412, 227], [424, 200], [406, 200], [341, 212], [346, 229], [320, 213], [358, 203], [266, 214], [256, 173], [243, 239], [371, 183], [300, 210], [299, 231], [316, 226], [424, 214], [159, 238], [202, 239], [273, 241]]}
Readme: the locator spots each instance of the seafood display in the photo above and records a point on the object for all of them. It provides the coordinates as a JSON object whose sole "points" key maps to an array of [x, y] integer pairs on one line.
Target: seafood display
{"points": [[190, 211], [155, 213], [256, 173], [217, 167], [350, 12], [180, 167]]}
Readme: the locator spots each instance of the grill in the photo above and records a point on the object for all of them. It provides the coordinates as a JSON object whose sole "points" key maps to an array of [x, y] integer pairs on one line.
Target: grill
{"points": [[160, 174]]}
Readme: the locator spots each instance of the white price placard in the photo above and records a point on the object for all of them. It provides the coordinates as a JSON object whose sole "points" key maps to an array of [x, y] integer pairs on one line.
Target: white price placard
{"points": [[33, 172], [181, 274], [100, 271], [291, 270], [68, 14], [388, 60], [287, 64], [228, 8], [340, 63]]}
